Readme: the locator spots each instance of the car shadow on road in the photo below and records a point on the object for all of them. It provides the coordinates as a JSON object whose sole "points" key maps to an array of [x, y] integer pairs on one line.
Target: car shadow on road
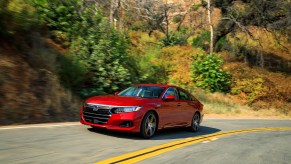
{"points": [[174, 133], [182, 133]]}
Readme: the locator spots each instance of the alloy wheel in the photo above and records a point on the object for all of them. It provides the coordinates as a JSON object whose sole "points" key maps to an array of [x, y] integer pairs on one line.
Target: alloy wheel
{"points": [[149, 125], [195, 122]]}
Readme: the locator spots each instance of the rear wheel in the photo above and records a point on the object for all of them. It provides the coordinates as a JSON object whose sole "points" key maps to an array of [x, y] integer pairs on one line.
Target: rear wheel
{"points": [[195, 122], [148, 125]]}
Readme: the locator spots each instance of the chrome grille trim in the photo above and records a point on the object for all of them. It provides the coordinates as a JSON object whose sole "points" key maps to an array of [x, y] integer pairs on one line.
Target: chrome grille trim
{"points": [[100, 116], [97, 114]]}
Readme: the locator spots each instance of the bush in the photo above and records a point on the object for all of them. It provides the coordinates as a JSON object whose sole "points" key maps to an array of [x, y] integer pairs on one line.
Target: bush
{"points": [[254, 88], [258, 86], [177, 19], [202, 40], [207, 73], [223, 44], [179, 37], [71, 73]]}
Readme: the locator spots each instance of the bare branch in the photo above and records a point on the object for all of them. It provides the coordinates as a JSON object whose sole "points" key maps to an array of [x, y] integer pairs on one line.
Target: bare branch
{"points": [[243, 28]]}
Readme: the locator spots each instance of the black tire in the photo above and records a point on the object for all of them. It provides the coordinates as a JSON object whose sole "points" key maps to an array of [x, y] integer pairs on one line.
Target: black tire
{"points": [[148, 125], [195, 122]]}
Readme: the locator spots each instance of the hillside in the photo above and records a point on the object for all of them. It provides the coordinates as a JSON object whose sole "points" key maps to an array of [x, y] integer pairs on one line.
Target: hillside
{"points": [[30, 89]]}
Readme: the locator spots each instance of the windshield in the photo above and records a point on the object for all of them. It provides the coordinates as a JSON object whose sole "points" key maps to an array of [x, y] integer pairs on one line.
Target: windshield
{"points": [[143, 91]]}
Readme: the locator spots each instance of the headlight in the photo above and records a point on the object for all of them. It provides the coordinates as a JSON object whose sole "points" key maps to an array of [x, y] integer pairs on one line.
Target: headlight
{"points": [[125, 109]]}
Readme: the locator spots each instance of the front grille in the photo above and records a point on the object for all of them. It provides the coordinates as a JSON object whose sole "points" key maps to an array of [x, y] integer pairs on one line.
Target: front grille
{"points": [[100, 116]]}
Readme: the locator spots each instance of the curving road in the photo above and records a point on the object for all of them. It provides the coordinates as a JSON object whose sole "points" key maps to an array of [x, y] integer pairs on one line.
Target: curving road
{"points": [[218, 141]]}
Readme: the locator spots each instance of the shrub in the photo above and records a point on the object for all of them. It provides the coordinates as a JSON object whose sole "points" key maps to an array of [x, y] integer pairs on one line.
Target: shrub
{"points": [[223, 44], [202, 40], [71, 73], [254, 88], [177, 18], [179, 37], [207, 73], [258, 85]]}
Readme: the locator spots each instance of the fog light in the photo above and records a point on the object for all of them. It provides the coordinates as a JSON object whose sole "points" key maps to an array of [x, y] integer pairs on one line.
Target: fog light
{"points": [[126, 124]]}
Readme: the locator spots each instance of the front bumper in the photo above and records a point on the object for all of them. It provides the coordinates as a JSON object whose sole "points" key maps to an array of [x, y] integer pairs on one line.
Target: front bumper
{"points": [[116, 122]]}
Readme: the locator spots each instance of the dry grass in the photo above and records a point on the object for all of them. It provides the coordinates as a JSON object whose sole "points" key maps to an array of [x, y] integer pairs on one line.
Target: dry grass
{"points": [[32, 93], [223, 105]]}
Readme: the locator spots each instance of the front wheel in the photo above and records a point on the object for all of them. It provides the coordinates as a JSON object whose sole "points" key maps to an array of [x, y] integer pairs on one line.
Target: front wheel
{"points": [[148, 125], [195, 122]]}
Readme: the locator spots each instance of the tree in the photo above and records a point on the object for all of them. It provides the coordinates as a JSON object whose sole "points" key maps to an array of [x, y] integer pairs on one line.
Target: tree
{"points": [[272, 16], [17, 18], [161, 15], [93, 43]]}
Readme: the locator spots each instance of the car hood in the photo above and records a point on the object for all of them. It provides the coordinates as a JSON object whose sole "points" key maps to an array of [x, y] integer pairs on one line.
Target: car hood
{"points": [[116, 100]]}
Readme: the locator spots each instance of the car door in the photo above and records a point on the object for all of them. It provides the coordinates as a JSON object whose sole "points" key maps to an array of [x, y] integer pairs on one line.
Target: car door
{"points": [[169, 110], [186, 109]]}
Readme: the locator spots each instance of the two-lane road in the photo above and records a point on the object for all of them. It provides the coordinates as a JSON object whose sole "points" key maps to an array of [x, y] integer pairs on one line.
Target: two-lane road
{"points": [[218, 141]]}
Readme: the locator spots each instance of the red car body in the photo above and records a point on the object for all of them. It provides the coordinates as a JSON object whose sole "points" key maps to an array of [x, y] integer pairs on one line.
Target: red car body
{"points": [[170, 110]]}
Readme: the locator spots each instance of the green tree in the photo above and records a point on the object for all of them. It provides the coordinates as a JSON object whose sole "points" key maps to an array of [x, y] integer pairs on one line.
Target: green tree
{"points": [[17, 18], [94, 45]]}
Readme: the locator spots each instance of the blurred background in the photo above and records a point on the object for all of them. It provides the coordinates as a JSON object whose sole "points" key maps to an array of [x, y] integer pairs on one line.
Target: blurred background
{"points": [[233, 55]]}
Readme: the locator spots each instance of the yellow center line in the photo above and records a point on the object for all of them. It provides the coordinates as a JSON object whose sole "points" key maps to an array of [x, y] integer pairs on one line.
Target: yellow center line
{"points": [[143, 154]]}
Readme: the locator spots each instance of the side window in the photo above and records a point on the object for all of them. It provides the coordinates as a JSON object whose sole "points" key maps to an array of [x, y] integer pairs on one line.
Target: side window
{"points": [[171, 91], [183, 95]]}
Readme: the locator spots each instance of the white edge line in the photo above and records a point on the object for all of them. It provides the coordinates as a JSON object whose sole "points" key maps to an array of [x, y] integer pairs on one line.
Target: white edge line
{"points": [[45, 125], [205, 141], [242, 118], [213, 139]]}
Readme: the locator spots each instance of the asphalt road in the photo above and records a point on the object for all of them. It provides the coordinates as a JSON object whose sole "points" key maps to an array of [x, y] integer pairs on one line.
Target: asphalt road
{"points": [[75, 143]]}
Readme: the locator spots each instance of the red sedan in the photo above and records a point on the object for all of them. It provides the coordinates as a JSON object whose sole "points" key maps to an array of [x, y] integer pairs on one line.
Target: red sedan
{"points": [[143, 108]]}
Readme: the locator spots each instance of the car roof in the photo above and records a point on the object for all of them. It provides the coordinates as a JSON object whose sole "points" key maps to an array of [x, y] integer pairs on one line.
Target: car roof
{"points": [[156, 85]]}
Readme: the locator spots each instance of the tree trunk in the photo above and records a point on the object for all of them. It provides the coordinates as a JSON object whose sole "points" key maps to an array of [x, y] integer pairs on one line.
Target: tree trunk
{"points": [[210, 26], [167, 22], [111, 14], [114, 4]]}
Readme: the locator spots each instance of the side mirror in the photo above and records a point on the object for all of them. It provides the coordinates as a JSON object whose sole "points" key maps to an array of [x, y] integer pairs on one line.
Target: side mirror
{"points": [[116, 93], [170, 97]]}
